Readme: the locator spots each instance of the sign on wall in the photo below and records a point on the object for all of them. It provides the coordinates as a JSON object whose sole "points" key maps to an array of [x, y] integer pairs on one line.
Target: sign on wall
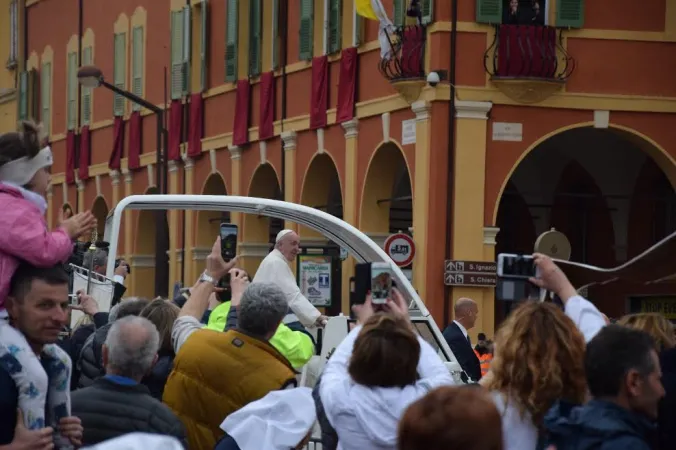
{"points": [[504, 131], [470, 273], [315, 279], [408, 135], [401, 248]]}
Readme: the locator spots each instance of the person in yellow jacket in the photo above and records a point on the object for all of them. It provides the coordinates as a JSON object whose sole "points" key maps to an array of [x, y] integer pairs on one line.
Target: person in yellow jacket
{"points": [[296, 346], [217, 373]]}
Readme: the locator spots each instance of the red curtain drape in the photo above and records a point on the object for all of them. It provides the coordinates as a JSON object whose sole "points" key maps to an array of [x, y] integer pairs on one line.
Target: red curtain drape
{"points": [[347, 85], [135, 140], [85, 153], [526, 50], [70, 157], [319, 101], [175, 129], [240, 127], [196, 129], [266, 127], [118, 144], [412, 53]]}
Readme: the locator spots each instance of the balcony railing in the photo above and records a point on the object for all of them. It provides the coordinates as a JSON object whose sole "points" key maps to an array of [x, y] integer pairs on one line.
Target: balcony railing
{"points": [[405, 59], [528, 52]]}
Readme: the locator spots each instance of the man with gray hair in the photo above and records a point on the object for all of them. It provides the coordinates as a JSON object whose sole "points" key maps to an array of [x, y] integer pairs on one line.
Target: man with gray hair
{"points": [[118, 404], [97, 261], [216, 373]]}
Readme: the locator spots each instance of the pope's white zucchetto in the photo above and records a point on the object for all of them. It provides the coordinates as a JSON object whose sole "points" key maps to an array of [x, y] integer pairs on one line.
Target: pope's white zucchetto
{"points": [[281, 235]]}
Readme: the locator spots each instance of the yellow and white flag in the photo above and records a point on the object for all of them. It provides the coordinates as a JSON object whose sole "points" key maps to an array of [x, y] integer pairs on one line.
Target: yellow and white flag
{"points": [[374, 10]]}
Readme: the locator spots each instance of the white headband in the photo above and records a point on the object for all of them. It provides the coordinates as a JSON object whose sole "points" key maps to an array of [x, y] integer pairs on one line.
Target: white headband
{"points": [[281, 234], [21, 171]]}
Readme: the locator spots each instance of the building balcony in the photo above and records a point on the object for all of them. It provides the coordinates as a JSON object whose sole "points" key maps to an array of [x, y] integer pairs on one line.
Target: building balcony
{"points": [[528, 63], [404, 64]]}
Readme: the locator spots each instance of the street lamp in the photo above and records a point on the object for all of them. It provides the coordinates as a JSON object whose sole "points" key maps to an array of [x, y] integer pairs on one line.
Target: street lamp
{"points": [[92, 77]]}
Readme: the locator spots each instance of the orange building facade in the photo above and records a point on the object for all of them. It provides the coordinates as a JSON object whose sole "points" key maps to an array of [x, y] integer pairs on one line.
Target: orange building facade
{"points": [[576, 132]]}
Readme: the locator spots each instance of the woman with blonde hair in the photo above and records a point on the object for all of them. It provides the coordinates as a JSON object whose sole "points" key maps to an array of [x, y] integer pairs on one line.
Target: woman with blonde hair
{"points": [[162, 313], [656, 325]]}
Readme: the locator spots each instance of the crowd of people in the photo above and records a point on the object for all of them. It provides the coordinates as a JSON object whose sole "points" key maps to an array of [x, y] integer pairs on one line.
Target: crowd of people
{"points": [[218, 366]]}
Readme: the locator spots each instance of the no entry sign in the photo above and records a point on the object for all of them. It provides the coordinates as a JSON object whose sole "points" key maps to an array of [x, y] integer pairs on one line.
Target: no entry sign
{"points": [[401, 248]]}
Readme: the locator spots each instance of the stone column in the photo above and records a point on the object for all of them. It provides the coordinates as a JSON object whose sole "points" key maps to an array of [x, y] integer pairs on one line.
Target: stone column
{"points": [[468, 204], [115, 182], [289, 141], [173, 227], [235, 185], [129, 227], [50, 207], [350, 206], [189, 276], [421, 189]]}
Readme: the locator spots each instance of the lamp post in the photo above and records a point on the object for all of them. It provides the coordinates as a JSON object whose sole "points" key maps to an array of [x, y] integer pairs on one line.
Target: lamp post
{"points": [[92, 77]]}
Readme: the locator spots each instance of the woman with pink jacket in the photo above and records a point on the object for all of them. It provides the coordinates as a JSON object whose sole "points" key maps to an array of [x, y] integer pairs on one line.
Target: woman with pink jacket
{"points": [[24, 179]]}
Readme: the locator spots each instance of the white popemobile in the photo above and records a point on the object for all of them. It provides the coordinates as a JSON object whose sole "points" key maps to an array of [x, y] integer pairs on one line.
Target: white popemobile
{"points": [[356, 243]]}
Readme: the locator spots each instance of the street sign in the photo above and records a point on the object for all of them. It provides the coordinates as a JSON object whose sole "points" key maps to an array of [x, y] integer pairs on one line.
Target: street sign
{"points": [[470, 279], [471, 266], [401, 248]]}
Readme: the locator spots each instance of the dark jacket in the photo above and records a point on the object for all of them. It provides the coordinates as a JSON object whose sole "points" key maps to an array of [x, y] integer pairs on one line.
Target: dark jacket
{"points": [[90, 362], [667, 411], [226, 443], [463, 351], [329, 435], [74, 344], [108, 410], [157, 378], [598, 425], [9, 402]]}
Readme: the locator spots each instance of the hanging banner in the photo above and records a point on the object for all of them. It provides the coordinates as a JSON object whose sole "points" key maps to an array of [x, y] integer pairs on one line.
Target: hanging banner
{"points": [[314, 276]]}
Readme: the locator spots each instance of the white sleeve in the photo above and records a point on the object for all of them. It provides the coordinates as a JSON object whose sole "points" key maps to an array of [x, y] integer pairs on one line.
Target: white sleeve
{"points": [[301, 306], [335, 376], [183, 327], [432, 371], [586, 316]]}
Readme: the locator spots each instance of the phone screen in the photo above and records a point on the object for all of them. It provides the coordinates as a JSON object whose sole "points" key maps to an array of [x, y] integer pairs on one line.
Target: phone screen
{"points": [[228, 241], [381, 283], [518, 266]]}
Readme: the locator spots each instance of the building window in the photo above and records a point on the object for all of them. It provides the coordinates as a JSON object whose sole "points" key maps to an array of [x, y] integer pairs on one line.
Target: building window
{"points": [[71, 90], [255, 41], [23, 95], [119, 72], [426, 11], [333, 24], [231, 35], [180, 52], [306, 29], [137, 64], [46, 96], [204, 45], [13, 34], [87, 60]]}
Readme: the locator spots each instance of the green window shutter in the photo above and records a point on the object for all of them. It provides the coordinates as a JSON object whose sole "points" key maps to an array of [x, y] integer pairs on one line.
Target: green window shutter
{"points": [[86, 92], [489, 11], [306, 29], [176, 54], [275, 34], [335, 25], [570, 13], [358, 30], [399, 13], [255, 40], [187, 49], [231, 39], [427, 9], [71, 90], [33, 95], [204, 41], [23, 96], [46, 96], [137, 65], [119, 72]]}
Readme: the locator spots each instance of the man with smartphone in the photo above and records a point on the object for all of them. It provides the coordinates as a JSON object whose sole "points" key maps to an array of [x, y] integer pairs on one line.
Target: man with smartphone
{"points": [[275, 269]]}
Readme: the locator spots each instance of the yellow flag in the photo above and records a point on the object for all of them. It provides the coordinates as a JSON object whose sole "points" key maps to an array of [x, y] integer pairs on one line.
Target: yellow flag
{"points": [[365, 9]]}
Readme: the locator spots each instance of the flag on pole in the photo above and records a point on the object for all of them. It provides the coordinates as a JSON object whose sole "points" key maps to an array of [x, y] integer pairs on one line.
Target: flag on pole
{"points": [[374, 10]]}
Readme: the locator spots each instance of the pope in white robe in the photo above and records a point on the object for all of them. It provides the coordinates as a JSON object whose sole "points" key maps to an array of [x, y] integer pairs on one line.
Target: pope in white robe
{"points": [[275, 269]]}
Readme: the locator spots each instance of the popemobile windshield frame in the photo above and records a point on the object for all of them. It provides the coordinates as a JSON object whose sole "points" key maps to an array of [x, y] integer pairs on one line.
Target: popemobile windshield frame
{"points": [[357, 244]]}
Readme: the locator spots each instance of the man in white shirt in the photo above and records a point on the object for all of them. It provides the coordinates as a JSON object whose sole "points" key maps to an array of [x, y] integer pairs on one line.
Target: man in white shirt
{"points": [[98, 261], [275, 269]]}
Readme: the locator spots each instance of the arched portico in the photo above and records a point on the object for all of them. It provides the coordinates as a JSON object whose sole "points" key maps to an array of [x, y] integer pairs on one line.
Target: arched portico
{"points": [[600, 188], [142, 262], [208, 222], [259, 232]]}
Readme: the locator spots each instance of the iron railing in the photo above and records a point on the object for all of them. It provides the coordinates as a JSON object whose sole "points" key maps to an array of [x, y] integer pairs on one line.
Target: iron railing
{"points": [[527, 51], [405, 59]]}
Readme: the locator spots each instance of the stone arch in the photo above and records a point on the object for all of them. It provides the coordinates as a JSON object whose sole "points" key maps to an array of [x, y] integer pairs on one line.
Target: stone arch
{"points": [[322, 190], [258, 232], [143, 258], [387, 201], [208, 221], [659, 154], [100, 211]]}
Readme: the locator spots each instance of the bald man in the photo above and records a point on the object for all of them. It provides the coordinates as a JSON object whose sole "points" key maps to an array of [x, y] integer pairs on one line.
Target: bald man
{"points": [[275, 269], [465, 312]]}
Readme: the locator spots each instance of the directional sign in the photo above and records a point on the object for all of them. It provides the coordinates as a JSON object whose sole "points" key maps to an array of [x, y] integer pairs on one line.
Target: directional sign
{"points": [[401, 248], [470, 279], [471, 266]]}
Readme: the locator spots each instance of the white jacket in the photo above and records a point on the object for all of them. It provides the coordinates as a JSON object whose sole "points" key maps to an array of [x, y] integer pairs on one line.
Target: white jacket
{"points": [[367, 418], [275, 269]]}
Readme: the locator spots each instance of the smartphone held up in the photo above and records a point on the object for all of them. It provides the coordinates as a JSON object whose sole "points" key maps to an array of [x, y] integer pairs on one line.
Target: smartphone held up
{"points": [[514, 274], [228, 233]]}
